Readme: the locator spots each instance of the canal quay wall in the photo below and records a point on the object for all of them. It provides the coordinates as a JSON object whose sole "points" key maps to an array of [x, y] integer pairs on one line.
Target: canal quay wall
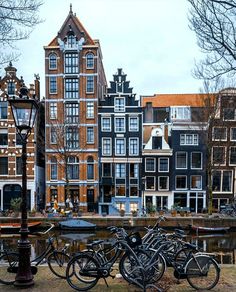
{"points": [[133, 222]]}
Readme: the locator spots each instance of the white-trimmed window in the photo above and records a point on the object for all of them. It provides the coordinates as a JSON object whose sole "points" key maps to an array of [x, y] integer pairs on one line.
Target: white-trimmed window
{"points": [[90, 84], [133, 206], [229, 114], [119, 125], [53, 135], [119, 104], [106, 169], [150, 164], [52, 85], [106, 124], [53, 110], [72, 137], [90, 110], [71, 113], [189, 139], [120, 170], [218, 155], [11, 88], [3, 165], [120, 146], [150, 183], [163, 164], [232, 155], [134, 170], [89, 61], [18, 166], [133, 146], [222, 181], [219, 134], [53, 169], [181, 160], [71, 88], [133, 124], [71, 63], [90, 135], [233, 134], [106, 146], [163, 183], [196, 182], [180, 113], [90, 168], [73, 167], [120, 192], [52, 61], [196, 160], [3, 137], [181, 182], [3, 109]]}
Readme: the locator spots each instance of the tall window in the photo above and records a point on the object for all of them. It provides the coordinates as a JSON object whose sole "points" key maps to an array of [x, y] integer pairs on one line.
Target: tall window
{"points": [[222, 181], [3, 110], [106, 146], [181, 182], [163, 164], [219, 134], [53, 110], [106, 169], [90, 135], [18, 140], [3, 137], [53, 135], [71, 88], [180, 113], [232, 133], [52, 61], [89, 61], [106, 124], [134, 170], [90, 168], [73, 167], [150, 164], [181, 160], [232, 157], [72, 137], [18, 166], [71, 41], [218, 155], [163, 183], [89, 84], [53, 168], [119, 125], [71, 63], [11, 86], [119, 104], [150, 183], [120, 170], [52, 85], [72, 113], [196, 182], [133, 146], [196, 160], [3, 165], [133, 124], [120, 146], [90, 110], [188, 139]]}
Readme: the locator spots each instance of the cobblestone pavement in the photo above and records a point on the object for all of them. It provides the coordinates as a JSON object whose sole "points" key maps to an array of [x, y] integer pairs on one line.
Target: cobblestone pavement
{"points": [[45, 281]]}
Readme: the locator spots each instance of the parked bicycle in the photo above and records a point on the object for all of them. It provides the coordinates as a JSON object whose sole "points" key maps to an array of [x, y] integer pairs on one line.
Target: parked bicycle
{"points": [[56, 259]]}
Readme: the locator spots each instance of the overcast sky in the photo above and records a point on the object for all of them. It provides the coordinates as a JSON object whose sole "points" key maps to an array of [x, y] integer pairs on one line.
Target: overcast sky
{"points": [[149, 39]]}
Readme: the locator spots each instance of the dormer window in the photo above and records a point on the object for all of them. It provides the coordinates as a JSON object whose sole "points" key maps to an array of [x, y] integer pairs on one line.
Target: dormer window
{"points": [[180, 113], [119, 104], [11, 86], [71, 41], [89, 61], [52, 61]]}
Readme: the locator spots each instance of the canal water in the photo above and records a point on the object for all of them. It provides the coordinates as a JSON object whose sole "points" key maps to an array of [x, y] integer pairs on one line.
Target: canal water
{"points": [[223, 245]]}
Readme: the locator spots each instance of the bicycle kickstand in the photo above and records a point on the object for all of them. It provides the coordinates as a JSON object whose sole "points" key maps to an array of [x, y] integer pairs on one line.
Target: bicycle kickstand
{"points": [[105, 282]]}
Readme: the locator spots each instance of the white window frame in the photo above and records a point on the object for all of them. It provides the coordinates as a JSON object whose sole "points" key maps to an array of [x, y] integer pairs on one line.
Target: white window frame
{"points": [[183, 140], [231, 133], [110, 169], [134, 129], [137, 165], [90, 142], [106, 129], [124, 146], [49, 83], [228, 119], [117, 196], [89, 67], [213, 134], [118, 108], [87, 78], [110, 152], [159, 159], [191, 188], [88, 116], [154, 183], [224, 162], [134, 154], [53, 110], [51, 141], [186, 182], [117, 130], [153, 164], [120, 177], [230, 155], [221, 181], [175, 112], [49, 61], [191, 165], [186, 155], [168, 185]]}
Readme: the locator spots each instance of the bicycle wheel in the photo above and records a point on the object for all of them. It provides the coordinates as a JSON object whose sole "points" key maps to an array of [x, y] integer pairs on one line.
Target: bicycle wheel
{"points": [[57, 262], [182, 256], [82, 272], [202, 272], [9, 263]]}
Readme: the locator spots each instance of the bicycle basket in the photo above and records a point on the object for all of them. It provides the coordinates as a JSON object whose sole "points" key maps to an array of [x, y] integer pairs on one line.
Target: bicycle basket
{"points": [[134, 239]]}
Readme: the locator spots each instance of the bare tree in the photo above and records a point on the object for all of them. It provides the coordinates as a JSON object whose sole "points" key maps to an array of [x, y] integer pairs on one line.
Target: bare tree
{"points": [[18, 18], [214, 22]]}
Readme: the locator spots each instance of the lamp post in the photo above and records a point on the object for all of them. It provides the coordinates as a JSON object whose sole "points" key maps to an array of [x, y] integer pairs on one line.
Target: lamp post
{"points": [[143, 188], [24, 111]]}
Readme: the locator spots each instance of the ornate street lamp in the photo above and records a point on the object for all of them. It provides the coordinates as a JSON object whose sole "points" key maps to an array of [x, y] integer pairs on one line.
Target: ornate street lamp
{"points": [[24, 111]]}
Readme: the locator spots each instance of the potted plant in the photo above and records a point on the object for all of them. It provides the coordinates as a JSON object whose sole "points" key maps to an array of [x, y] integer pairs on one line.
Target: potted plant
{"points": [[32, 213], [122, 212], [151, 210], [174, 209], [15, 206], [134, 213]]}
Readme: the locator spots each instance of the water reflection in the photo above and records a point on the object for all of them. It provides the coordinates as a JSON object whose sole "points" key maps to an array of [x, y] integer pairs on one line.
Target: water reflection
{"points": [[224, 245]]}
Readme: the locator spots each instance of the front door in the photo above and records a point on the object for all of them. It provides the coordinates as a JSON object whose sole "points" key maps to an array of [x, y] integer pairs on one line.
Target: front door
{"points": [[90, 200], [10, 191]]}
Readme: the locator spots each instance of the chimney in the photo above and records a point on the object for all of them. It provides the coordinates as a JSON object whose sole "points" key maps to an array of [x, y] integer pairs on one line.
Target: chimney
{"points": [[37, 85]]}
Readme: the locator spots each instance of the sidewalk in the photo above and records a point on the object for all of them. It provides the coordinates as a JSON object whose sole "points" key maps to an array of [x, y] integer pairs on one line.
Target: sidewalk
{"points": [[45, 281]]}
